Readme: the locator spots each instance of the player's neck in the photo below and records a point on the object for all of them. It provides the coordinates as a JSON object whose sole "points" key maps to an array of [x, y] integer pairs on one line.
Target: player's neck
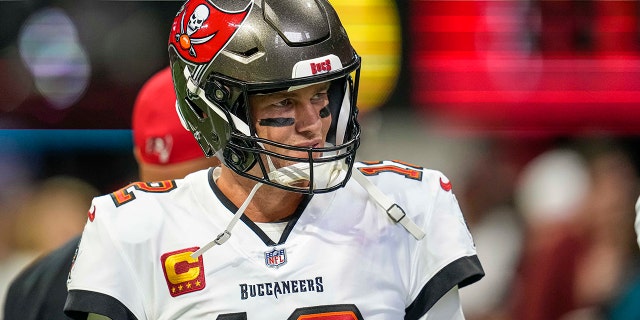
{"points": [[269, 203]]}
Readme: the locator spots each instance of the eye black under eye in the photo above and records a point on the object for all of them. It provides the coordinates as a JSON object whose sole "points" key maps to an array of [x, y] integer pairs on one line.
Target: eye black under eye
{"points": [[276, 122]]}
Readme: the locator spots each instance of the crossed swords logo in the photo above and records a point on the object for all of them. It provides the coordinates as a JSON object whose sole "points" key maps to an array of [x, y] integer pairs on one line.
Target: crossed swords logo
{"points": [[197, 18]]}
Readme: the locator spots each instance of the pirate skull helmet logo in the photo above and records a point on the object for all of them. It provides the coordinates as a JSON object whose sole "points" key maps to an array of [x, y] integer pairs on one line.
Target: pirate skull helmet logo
{"points": [[200, 29]]}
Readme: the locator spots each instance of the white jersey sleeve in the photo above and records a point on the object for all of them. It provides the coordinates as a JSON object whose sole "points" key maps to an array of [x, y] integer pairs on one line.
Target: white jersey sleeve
{"points": [[103, 279]]}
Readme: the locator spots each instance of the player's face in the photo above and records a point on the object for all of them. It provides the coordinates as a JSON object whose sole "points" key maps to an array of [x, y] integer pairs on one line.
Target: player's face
{"points": [[298, 118]]}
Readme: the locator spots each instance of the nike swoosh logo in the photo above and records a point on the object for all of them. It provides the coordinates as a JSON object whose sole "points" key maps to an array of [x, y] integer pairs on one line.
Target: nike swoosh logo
{"points": [[92, 213], [445, 186]]}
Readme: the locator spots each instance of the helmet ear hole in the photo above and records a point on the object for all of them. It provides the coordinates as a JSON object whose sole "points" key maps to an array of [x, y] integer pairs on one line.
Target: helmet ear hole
{"points": [[196, 110]]}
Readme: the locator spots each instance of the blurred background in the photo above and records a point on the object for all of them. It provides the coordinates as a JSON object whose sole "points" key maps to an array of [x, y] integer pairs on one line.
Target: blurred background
{"points": [[531, 108]]}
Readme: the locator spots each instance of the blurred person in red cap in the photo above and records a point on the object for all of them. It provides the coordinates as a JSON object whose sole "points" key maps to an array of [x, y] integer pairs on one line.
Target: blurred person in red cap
{"points": [[163, 149]]}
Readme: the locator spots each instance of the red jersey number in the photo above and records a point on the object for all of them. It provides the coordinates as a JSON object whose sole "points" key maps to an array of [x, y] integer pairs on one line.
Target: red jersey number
{"points": [[328, 312], [406, 170], [126, 195]]}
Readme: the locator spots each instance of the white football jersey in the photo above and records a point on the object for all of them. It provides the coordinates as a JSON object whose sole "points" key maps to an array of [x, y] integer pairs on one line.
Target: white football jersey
{"points": [[340, 256]]}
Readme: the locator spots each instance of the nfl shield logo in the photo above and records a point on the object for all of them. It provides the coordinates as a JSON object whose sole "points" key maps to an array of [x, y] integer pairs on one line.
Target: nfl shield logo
{"points": [[275, 258]]}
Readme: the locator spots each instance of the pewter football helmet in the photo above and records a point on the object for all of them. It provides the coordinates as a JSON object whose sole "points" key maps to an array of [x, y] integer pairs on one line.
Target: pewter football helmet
{"points": [[222, 51]]}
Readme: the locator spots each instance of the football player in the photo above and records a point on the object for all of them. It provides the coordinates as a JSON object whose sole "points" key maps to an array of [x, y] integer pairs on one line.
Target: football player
{"points": [[289, 226], [163, 150]]}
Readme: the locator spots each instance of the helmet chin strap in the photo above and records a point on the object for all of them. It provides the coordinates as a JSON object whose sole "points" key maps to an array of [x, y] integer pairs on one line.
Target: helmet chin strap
{"points": [[392, 209], [292, 174], [323, 174]]}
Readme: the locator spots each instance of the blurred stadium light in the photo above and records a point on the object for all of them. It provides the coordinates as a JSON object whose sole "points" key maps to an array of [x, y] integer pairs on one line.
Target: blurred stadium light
{"points": [[78, 65], [527, 67], [375, 32], [49, 46]]}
